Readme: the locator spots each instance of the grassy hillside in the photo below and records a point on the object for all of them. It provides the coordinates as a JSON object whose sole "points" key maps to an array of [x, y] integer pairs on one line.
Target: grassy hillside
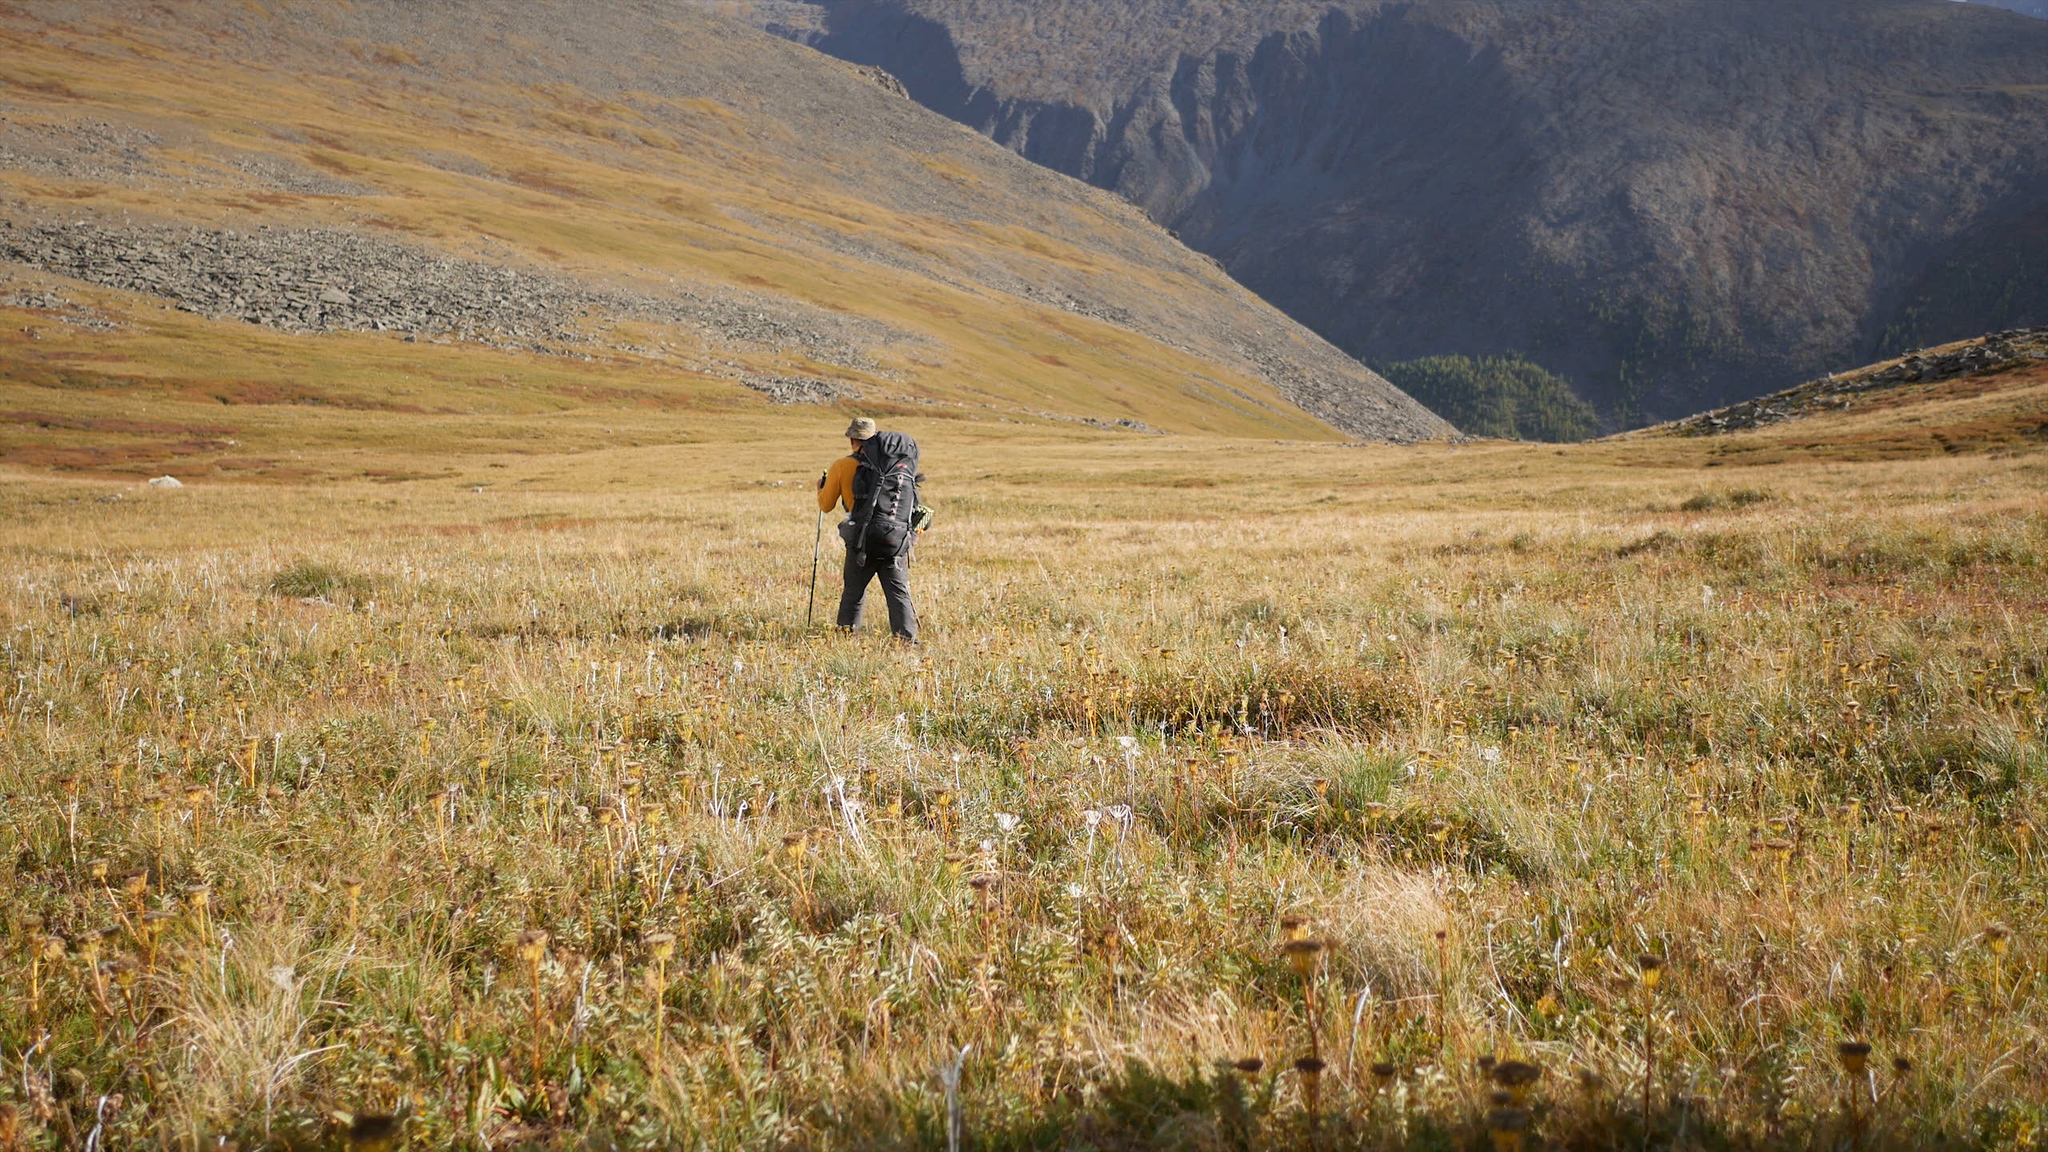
{"points": [[298, 774], [690, 207], [1989, 394]]}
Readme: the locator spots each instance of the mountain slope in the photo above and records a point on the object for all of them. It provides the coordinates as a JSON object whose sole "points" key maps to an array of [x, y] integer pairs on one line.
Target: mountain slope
{"points": [[2037, 8], [1675, 202], [652, 204], [1987, 394]]}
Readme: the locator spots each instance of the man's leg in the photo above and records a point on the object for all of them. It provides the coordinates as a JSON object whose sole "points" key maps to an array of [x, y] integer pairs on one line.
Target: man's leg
{"points": [[853, 594], [895, 576]]}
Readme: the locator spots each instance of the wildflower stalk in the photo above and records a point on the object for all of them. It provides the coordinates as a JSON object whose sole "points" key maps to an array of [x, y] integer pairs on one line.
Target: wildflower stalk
{"points": [[1650, 970], [661, 946], [532, 946]]}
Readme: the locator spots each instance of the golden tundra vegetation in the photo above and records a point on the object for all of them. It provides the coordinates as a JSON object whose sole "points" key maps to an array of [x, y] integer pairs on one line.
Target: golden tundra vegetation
{"points": [[1653, 792], [694, 157], [450, 763]]}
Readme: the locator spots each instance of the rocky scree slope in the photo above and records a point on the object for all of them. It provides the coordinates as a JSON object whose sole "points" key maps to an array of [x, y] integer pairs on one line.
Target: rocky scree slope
{"points": [[318, 279], [1674, 202], [554, 179], [1999, 352]]}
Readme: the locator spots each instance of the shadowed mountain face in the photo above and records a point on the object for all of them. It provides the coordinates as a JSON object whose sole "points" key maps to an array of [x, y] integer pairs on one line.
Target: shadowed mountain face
{"points": [[1677, 203]]}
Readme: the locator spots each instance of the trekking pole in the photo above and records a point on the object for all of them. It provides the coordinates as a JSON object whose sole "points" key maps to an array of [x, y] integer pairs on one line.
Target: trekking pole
{"points": [[811, 605]]}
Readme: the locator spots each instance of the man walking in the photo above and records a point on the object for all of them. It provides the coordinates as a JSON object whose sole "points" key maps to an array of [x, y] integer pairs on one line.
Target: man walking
{"points": [[877, 485]]}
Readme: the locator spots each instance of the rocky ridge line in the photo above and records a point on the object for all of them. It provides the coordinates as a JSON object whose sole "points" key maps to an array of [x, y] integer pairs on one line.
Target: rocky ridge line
{"points": [[1994, 353], [315, 280]]}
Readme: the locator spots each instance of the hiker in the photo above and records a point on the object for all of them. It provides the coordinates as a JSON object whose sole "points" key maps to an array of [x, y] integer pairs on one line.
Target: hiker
{"points": [[877, 485]]}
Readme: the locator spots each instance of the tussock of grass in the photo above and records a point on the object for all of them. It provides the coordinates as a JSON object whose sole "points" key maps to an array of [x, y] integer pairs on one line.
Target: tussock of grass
{"points": [[1734, 498], [311, 579]]}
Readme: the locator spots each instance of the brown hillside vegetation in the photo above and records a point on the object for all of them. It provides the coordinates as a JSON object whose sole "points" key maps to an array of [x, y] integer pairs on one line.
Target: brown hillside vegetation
{"points": [[1987, 394], [516, 803], [671, 211]]}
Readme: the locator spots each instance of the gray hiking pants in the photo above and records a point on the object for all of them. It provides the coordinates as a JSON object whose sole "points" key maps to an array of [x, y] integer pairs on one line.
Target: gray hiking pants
{"points": [[895, 576]]}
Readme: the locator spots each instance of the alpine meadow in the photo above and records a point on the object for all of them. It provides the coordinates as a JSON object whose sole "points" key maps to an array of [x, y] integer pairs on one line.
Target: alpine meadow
{"points": [[413, 730]]}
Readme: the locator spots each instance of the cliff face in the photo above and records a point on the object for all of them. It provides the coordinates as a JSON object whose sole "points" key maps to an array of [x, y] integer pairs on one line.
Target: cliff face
{"points": [[1676, 202]]}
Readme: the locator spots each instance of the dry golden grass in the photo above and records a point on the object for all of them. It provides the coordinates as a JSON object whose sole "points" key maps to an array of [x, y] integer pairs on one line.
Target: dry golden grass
{"points": [[653, 192], [1497, 721]]}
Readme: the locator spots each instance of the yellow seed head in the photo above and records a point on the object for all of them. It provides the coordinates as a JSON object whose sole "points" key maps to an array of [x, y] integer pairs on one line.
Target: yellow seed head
{"points": [[661, 946], [1651, 968], [1855, 1056], [1997, 938], [532, 945], [1516, 1078], [1302, 954]]}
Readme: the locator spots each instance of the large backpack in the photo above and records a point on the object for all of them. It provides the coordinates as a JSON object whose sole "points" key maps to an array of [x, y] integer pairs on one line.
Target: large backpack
{"points": [[884, 498]]}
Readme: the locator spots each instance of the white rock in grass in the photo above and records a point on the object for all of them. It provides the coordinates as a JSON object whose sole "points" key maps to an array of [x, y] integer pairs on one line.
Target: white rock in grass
{"points": [[166, 482]]}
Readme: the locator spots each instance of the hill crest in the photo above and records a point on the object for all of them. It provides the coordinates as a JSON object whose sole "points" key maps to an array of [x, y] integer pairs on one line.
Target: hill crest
{"points": [[668, 203]]}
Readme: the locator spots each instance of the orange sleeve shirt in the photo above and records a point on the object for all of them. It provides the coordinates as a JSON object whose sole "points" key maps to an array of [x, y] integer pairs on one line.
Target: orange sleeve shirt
{"points": [[838, 487]]}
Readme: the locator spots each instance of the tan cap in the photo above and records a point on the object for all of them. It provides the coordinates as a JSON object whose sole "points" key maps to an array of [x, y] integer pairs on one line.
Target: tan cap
{"points": [[862, 428]]}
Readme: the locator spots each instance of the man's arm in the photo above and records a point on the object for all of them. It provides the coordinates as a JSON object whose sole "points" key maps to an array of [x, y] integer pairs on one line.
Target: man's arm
{"points": [[837, 484]]}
